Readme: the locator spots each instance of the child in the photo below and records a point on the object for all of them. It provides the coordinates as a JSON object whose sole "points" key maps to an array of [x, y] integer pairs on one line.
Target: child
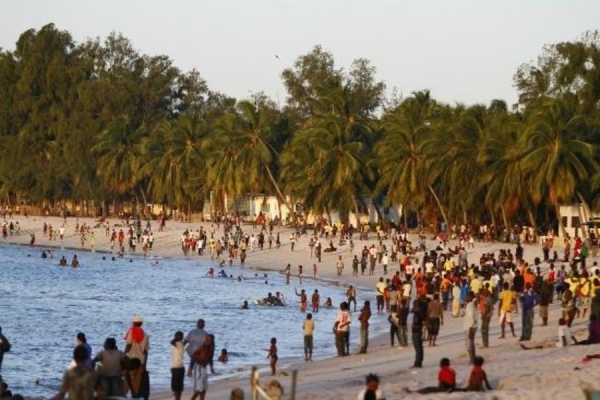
{"points": [[446, 380], [273, 355], [478, 377], [177, 367], [371, 390], [223, 357], [308, 327]]}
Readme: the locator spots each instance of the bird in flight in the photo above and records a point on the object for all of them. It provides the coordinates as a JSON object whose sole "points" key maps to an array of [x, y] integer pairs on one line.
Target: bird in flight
{"points": [[276, 56]]}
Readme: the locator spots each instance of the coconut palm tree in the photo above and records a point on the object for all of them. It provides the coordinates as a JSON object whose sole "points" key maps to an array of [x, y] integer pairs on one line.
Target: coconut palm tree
{"points": [[173, 161], [242, 154], [557, 159], [400, 155], [119, 156]]}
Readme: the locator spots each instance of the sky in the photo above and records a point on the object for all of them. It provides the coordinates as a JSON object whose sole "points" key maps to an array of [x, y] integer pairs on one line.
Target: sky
{"points": [[464, 51]]}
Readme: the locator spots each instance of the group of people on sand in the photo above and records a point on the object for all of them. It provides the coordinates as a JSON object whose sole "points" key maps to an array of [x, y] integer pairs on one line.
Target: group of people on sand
{"points": [[115, 373]]}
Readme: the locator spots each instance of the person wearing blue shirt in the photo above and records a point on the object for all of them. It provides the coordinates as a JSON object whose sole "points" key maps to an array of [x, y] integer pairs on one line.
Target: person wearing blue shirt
{"points": [[529, 300]]}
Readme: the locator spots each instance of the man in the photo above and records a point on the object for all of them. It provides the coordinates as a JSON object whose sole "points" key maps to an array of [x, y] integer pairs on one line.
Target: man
{"points": [[78, 382], [316, 299], [505, 307], [487, 309], [380, 291], [470, 326], [435, 318], [529, 300], [342, 329], [351, 295], [194, 339], [365, 315], [202, 357], [137, 347], [355, 266], [417, 333]]}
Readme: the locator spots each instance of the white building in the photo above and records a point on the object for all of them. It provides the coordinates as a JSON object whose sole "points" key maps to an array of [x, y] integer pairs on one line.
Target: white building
{"points": [[576, 220], [271, 208]]}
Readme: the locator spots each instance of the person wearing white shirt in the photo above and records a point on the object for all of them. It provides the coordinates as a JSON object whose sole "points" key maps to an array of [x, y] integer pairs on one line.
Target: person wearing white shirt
{"points": [[372, 385], [177, 366], [470, 326]]}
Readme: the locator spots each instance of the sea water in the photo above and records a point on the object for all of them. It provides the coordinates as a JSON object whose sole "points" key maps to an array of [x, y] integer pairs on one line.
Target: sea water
{"points": [[44, 306]]}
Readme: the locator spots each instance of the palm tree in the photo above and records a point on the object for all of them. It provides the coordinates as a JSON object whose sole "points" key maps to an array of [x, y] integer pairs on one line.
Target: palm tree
{"points": [[242, 156], [326, 163], [557, 160], [119, 155], [502, 178], [400, 154], [173, 160]]}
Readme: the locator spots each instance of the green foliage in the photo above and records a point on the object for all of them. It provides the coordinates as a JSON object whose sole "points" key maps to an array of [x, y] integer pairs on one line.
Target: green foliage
{"points": [[98, 120]]}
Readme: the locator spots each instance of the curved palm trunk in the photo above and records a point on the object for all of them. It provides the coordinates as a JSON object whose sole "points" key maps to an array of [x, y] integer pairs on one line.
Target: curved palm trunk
{"points": [[563, 231], [277, 190], [356, 211], [437, 200], [504, 218], [378, 211]]}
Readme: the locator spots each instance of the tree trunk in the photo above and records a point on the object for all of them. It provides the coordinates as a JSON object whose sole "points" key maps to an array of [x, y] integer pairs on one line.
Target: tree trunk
{"points": [[378, 211], [504, 218], [437, 200], [533, 224], [277, 190], [563, 231]]}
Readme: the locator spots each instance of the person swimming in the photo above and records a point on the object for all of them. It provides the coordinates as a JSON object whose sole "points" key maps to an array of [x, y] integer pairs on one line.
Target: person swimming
{"points": [[245, 305], [222, 274], [62, 262]]}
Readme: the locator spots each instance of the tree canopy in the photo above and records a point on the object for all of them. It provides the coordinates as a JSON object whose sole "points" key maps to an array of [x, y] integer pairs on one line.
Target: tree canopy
{"points": [[99, 121]]}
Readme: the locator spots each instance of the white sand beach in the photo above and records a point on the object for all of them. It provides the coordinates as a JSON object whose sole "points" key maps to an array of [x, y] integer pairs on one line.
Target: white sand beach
{"points": [[513, 372]]}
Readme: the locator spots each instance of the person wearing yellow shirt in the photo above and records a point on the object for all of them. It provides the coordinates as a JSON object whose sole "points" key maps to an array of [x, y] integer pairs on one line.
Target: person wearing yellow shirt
{"points": [[475, 285], [584, 293], [505, 308], [449, 265]]}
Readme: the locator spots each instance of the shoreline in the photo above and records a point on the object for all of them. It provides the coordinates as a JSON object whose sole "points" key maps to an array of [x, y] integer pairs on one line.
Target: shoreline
{"points": [[331, 377]]}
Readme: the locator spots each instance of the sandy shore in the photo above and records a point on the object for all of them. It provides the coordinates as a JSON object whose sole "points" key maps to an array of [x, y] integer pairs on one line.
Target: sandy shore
{"points": [[517, 374]]}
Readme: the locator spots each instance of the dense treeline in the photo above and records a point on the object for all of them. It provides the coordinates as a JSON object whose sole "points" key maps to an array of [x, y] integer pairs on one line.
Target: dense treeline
{"points": [[98, 121]]}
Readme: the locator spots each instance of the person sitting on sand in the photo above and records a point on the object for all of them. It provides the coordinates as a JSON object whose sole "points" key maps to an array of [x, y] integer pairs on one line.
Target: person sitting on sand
{"points": [[565, 338], [478, 377], [446, 380], [371, 387]]}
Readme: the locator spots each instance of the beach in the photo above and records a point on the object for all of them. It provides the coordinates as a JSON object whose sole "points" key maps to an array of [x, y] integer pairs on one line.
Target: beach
{"points": [[516, 373]]}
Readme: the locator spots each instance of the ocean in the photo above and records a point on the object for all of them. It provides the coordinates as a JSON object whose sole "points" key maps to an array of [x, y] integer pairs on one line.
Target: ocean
{"points": [[44, 306]]}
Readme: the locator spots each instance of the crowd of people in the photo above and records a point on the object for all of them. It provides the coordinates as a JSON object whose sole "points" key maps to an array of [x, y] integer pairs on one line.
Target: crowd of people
{"points": [[418, 290]]}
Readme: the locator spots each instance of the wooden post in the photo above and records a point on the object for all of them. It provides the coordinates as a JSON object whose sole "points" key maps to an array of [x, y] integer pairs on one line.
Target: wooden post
{"points": [[253, 384], [293, 388]]}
